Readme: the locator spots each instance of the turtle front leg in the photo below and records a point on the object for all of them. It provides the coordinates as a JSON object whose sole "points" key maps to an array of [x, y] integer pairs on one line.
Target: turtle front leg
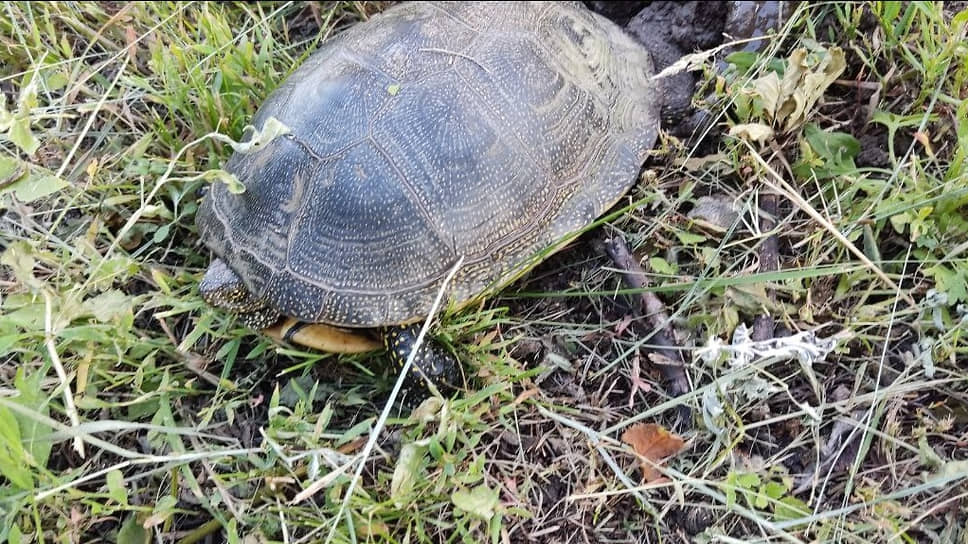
{"points": [[432, 360]]}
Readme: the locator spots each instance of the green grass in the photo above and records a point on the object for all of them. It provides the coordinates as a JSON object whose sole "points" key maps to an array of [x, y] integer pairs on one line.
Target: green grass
{"points": [[130, 410]]}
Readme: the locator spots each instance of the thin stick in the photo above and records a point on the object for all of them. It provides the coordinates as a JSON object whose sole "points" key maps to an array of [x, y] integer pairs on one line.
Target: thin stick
{"points": [[764, 325], [669, 360], [69, 407]]}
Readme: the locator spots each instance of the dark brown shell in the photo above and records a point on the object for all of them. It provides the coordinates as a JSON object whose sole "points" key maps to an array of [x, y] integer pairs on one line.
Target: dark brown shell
{"points": [[433, 131]]}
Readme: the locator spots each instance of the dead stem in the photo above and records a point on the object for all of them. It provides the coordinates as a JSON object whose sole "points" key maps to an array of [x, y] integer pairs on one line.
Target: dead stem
{"points": [[667, 357]]}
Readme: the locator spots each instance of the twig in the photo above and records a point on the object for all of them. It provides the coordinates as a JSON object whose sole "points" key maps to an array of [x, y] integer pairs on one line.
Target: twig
{"points": [[764, 324], [782, 187], [667, 358]]}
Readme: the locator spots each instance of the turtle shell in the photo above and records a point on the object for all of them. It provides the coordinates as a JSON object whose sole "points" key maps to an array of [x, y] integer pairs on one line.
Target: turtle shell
{"points": [[431, 132]]}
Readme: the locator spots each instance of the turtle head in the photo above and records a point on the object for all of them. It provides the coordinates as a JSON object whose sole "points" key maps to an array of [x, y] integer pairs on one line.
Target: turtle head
{"points": [[224, 289]]}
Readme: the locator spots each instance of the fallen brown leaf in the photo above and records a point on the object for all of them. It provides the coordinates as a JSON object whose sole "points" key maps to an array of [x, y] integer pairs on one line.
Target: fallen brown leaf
{"points": [[654, 444], [352, 445], [525, 395]]}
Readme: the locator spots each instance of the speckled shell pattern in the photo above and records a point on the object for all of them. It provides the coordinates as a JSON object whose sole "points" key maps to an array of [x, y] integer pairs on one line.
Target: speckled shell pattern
{"points": [[429, 132]]}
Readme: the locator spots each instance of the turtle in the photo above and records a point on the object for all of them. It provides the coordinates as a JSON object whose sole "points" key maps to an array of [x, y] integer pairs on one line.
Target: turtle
{"points": [[486, 133]]}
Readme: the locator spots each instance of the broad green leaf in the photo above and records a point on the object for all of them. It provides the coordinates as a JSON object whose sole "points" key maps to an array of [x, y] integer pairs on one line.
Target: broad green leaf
{"points": [[662, 266], [17, 126], [950, 470], [435, 449], [831, 145], [116, 489], [232, 532], [689, 239], [161, 233], [29, 317], [748, 480], [28, 97], [13, 458], [6, 118], [109, 306], [790, 508], [11, 170], [929, 457], [826, 154], [137, 150], [9, 341], [19, 256], [405, 473], [951, 281], [774, 489], [35, 186], [56, 80], [899, 221], [164, 508], [770, 492], [132, 532], [21, 135], [355, 431], [761, 500], [113, 269], [14, 536], [479, 501], [274, 400], [135, 411], [742, 60], [33, 433], [751, 297], [161, 279], [730, 489], [889, 13]]}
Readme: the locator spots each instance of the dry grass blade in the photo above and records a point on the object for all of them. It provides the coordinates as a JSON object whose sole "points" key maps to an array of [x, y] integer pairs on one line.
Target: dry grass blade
{"points": [[69, 407], [781, 186], [381, 421], [654, 444]]}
